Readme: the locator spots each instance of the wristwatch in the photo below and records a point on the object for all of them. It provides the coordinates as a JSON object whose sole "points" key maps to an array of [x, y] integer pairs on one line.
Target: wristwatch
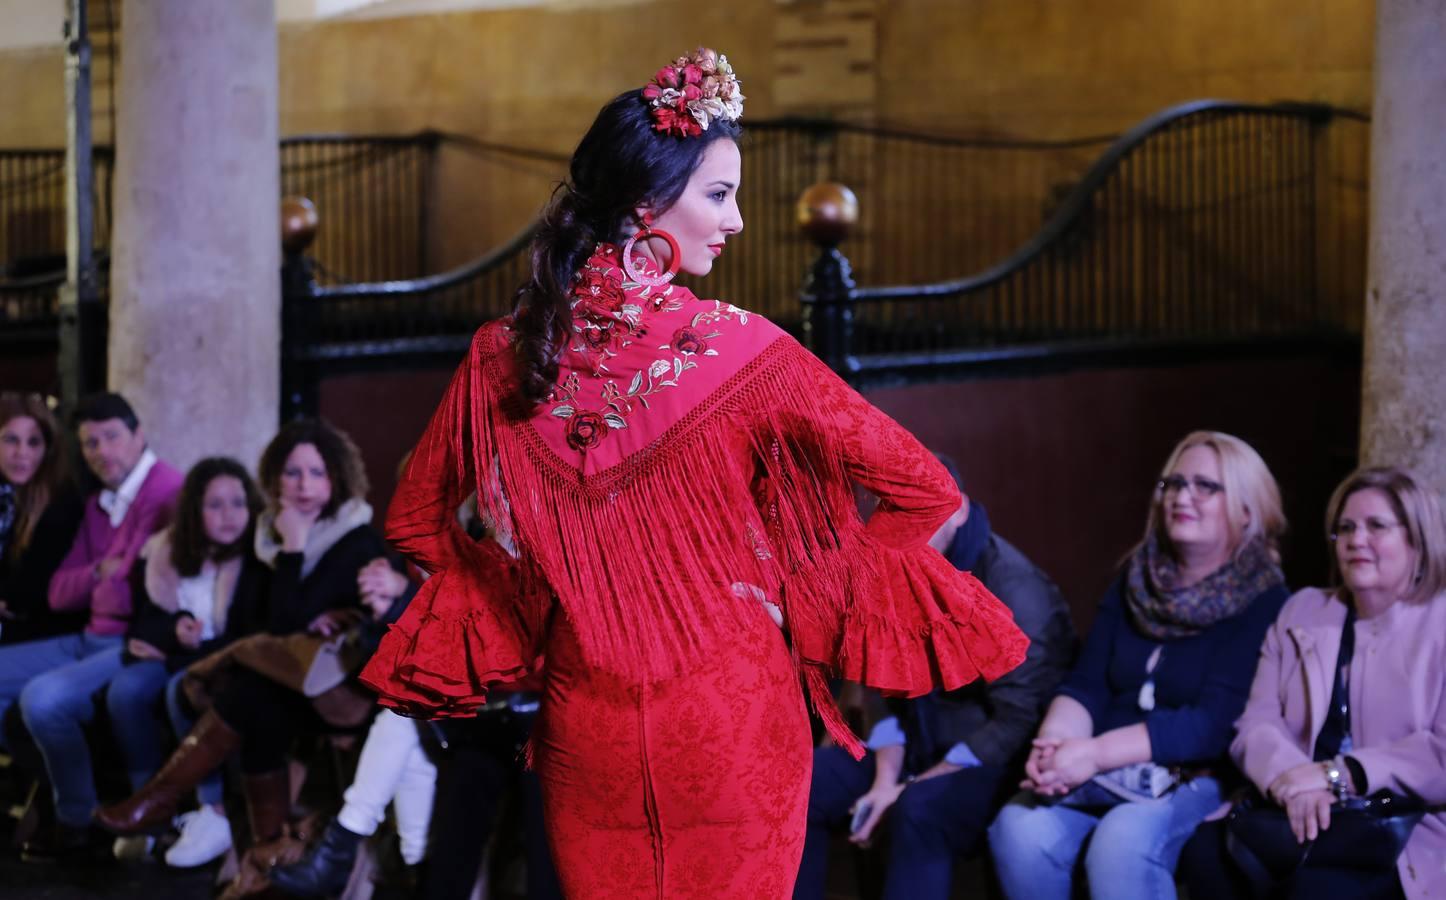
{"points": [[1335, 777]]}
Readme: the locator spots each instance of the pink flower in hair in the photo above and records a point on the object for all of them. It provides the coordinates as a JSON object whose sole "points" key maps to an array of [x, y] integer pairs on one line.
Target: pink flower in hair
{"points": [[689, 95]]}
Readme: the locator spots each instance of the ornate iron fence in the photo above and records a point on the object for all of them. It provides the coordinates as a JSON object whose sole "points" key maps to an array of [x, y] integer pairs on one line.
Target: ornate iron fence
{"points": [[1211, 222]]}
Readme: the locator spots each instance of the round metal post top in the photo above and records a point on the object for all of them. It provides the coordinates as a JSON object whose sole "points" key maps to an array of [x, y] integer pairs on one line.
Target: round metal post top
{"points": [[299, 222], [827, 212]]}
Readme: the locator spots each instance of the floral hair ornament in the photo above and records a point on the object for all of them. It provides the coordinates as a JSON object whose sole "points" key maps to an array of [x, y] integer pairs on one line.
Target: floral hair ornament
{"points": [[692, 92]]}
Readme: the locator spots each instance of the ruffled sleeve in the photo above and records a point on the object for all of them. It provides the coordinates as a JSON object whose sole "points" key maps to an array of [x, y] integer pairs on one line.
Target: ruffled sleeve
{"points": [[472, 622], [875, 604]]}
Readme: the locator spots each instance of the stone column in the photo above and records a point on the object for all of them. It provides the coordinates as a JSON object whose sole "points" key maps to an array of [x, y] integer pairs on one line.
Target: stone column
{"points": [[196, 255], [1404, 376]]}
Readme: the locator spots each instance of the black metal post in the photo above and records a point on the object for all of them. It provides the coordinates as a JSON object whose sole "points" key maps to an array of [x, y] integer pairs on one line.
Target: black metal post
{"points": [[828, 315], [298, 303], [82, 317]]}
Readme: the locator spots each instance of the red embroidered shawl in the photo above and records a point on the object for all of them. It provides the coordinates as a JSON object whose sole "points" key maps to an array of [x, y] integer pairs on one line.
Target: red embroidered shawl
{"points": [[689, 446]]}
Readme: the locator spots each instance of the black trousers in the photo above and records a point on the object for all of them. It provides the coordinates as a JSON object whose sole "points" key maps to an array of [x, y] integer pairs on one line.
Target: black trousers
{"points": [[478, 767], [268, 716]]}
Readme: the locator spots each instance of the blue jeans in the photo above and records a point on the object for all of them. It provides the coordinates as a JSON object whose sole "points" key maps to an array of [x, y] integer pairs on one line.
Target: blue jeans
{"points": [[211, 789], [1129, 849], [143, 721], [19, 663], [932, 824], [55, 682]]}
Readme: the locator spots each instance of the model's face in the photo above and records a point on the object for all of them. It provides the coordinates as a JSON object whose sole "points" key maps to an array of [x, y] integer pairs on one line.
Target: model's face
{"points": [[111, 449], [22, 449], [224, 513], [1372, 546], [305, 483], [705, 216], [1193, 502]]}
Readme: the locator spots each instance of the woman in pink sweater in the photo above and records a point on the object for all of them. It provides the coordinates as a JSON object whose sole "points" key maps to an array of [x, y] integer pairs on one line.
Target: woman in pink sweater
{"points": [[1350, 696]]}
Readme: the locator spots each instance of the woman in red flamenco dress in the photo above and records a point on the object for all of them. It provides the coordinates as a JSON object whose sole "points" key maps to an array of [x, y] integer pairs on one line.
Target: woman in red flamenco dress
{"points": [[677, 477]]}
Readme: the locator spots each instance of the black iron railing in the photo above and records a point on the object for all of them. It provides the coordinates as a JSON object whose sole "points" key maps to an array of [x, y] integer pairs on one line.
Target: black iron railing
{"points": [[375, 191], [31, 303], [375, 194], [32, 209], [1209, 222], [938, 206], [383, 323]]}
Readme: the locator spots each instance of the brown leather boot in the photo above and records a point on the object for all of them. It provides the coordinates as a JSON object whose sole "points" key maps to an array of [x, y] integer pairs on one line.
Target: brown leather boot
{"points": [[208, 745], [273, 843], [268, 803]]}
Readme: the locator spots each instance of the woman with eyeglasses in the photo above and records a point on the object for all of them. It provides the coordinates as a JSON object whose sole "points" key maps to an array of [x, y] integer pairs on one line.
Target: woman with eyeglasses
{"points": [[1348, 703], [1127, 760]]}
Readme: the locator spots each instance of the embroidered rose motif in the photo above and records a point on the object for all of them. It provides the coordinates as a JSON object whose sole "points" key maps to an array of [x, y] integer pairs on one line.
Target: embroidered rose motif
{"points": [[598, 295], [597, 339], [585, 430], [687, 340]]}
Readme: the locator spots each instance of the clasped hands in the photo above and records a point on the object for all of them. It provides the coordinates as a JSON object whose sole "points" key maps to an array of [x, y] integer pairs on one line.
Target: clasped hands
{"points": [[1058, 765]]}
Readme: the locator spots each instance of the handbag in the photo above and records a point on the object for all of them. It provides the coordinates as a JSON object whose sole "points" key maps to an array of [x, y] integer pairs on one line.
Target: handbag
{"points": [[316, 667], [1365, 833]]}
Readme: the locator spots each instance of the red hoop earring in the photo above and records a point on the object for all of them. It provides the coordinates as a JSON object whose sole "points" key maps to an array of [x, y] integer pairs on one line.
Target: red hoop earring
{"points": [[648, 231]]}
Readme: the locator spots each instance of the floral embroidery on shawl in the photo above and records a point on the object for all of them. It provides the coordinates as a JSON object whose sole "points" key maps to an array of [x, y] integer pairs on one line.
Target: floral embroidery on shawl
{"points": [[608, 313]]}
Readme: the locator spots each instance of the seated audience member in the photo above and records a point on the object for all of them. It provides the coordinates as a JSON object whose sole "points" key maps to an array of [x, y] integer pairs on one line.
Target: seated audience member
{"points": [[315, 536], [481, 763], [1128, 757], [39, 513], [200, 589], [1349, 700], [52, 678], [447, 810], [393, 769], [939, 766]]}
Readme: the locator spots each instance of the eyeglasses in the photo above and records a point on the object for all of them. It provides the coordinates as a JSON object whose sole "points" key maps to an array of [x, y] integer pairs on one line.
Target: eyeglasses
{"points": [[1375, 528], [1199, 486]]}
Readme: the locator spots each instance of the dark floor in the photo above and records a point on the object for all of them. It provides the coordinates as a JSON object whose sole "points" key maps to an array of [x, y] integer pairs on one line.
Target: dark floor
{"points": [[123, 881], [100, 875], [96, 874]]}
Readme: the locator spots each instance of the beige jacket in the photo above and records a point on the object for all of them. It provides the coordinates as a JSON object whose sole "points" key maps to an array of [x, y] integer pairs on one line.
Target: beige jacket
{"points": [[1398, 710]]}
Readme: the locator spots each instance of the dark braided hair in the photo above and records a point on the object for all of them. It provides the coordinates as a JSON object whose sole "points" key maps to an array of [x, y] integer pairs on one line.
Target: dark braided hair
{"points": [[620, 164]]}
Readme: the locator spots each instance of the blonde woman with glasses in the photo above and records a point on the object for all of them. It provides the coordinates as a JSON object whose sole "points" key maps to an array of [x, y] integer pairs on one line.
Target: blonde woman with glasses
{"points": [[1347, 717], [1128, 759]]}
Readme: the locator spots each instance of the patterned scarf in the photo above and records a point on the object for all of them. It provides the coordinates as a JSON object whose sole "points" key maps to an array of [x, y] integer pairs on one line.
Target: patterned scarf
{"points": [[8, 512], [1165, 612]]}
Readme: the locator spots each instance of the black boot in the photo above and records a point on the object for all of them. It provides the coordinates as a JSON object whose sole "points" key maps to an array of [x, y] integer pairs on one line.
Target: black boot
{"points": [[60, 843], [325, 869]]}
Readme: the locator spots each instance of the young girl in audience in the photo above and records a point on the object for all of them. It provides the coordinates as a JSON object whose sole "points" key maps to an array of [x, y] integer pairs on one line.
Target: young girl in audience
{"points": [[1128, 758], [201, 588], [39, 514]]}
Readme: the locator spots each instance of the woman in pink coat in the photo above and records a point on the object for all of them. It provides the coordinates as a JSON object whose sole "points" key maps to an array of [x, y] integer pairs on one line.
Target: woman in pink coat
{"points": [[1300, 747]]}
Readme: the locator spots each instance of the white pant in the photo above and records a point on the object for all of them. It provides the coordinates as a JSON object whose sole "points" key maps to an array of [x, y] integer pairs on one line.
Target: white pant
{"points": [[392, 769]]}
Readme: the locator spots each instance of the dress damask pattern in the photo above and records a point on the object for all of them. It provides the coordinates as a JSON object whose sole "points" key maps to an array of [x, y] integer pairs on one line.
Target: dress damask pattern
{"points": [[691, 458]]}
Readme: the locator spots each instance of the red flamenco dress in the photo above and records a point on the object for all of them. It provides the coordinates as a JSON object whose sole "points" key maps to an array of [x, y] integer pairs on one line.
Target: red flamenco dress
{"points": [[690, 450]]}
